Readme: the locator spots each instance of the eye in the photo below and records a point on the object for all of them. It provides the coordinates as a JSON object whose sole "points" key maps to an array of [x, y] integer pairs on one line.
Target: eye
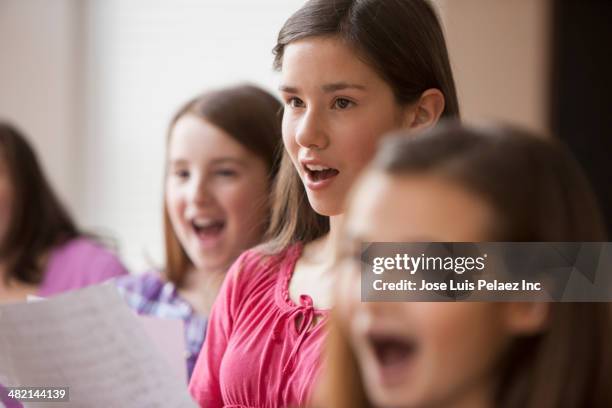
{"points": [[226, 173], [181, 174], [343, 103], [295, 102]]}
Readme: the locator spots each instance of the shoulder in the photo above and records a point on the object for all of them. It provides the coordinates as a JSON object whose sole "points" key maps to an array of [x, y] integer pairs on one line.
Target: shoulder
{"points": [[255, 264], [148, 282], [255, 274], [149, 293], [85, 261], [82, 248]]}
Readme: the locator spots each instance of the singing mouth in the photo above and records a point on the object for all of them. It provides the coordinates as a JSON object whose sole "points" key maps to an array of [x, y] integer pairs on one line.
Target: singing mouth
{"points": [[392, 351], [317, 172], [206, 228]]}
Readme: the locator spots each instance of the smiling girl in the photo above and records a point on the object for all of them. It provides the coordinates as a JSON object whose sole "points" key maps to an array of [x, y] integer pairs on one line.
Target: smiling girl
{"points": [[350, 71], [220, 166]]}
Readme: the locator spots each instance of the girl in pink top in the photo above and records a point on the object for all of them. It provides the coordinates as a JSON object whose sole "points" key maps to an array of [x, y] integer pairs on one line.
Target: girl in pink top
{"points": [[350, 71], [41, 250]]}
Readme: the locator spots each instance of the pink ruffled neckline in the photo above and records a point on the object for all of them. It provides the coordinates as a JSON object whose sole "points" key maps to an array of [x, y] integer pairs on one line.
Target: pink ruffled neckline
{"points": [[289, 260]]}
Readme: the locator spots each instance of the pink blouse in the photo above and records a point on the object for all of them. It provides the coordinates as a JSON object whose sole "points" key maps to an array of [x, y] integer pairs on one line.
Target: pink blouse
{"points": [[261, 349]]}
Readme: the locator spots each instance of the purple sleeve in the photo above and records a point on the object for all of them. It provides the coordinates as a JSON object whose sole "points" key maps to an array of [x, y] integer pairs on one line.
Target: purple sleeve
{"points": [[109, 267], [77, 264], [6, 401]]}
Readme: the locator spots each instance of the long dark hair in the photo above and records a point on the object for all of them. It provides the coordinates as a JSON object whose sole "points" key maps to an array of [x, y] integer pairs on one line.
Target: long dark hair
{"points": [[402, 40], [538, 193], [39, 221], [250, 116]]}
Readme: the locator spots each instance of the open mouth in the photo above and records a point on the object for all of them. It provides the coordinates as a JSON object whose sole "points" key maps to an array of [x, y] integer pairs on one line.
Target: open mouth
{"points": [[317, 173], [394, 357], [208, 229]]}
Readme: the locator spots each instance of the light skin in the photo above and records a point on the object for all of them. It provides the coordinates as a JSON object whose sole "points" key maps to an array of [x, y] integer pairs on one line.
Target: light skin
{"points": [[217, 202], [420, 354], [336, 109]]}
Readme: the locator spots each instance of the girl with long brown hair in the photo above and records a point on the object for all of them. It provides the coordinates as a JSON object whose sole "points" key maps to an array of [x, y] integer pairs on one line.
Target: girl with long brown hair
{"points": [[42, 252], [351, 70], [468, 184], [220, 165]]}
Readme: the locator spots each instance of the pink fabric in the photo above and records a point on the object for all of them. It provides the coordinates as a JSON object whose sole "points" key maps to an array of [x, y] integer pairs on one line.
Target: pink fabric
{"points": [[78, 263], [261, 349]]}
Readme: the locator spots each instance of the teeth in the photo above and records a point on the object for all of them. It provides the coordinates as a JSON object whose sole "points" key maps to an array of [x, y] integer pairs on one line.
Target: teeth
{"points": [[203, 222], [314, 167]]}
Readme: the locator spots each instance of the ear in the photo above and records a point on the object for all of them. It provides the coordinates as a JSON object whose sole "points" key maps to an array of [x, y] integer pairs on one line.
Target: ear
{"points": [[426, 111], [526, 318]]}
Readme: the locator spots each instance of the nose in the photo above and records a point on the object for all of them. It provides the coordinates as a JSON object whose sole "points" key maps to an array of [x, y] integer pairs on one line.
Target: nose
{"points": [[311, 131], [201, 191]]}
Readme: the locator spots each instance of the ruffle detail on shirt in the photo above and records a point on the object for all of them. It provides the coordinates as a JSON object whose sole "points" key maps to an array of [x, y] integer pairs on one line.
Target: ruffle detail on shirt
{"points": [[300, 317]]}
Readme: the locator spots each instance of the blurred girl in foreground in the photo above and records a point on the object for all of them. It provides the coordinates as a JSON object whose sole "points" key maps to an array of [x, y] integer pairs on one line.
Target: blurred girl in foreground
{"points": [[220, 166], [469, 184], [42, 252]]}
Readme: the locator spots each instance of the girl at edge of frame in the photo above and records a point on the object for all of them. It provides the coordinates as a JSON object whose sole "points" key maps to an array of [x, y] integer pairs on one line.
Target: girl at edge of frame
{"points": [[344, 84], [42, 251], [504, 185], [220, 165]]}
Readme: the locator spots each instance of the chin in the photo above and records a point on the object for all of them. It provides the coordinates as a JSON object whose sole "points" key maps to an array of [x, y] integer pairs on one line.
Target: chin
{"points": [[325, 207], [382, 399], [205, 263]]}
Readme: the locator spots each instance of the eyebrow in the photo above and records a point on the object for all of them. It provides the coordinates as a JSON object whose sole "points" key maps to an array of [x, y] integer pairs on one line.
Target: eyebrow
{"points": [[327, 88], [177, 162], [221, 160]]}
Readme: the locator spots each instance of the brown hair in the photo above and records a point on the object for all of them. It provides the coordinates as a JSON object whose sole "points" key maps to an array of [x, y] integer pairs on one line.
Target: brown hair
{"points": [[39, 221], [539, 193], [251, 117], [402, 40]]}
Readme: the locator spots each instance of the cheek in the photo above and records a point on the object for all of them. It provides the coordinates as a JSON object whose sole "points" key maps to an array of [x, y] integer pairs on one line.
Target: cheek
{"points": [[360, 138], [462, 335], [245, 203], [288, 132], [175, 204]]}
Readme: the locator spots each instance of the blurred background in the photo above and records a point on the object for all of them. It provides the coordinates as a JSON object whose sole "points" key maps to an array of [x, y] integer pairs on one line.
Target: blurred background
{"points": [[94, 83]]}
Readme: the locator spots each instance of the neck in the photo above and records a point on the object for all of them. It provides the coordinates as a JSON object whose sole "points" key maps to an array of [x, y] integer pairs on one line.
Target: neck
{"points": [[478, 396], [200, 288], [203, 278], [324, 251]]}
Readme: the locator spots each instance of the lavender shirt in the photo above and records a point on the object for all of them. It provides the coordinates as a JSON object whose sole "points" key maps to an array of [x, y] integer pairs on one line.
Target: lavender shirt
{"points": [[151, 295], [78, 263]]}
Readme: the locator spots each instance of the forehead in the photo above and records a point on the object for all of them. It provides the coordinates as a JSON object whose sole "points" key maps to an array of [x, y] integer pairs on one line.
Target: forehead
{"points": [[194, 137], [324, 59], [416, 208]]}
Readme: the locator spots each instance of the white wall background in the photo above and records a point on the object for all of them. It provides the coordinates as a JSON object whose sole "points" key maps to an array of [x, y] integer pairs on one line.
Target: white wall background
{"points": [[94, 83], [38, 91], [144, 58]]}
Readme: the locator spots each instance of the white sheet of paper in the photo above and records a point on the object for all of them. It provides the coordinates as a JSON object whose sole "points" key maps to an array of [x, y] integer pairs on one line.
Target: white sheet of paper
{"points": [[168, 335], [88, 340]]}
